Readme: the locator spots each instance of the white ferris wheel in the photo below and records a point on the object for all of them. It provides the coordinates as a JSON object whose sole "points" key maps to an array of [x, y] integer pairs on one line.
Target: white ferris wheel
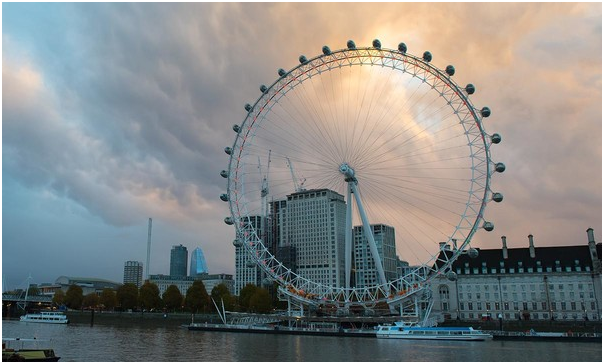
{"points": [[392, 134]]}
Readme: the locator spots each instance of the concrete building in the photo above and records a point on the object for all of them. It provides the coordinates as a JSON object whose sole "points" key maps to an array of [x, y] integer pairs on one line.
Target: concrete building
{"points": [[133, 273], [314, 223], [364, 266], [530, 283], [178, 261], [198, 263], [88, 285], [246, 269]]}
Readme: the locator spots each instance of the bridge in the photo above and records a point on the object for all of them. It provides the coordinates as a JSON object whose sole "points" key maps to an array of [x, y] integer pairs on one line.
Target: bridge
{"points": [[19, 298]]}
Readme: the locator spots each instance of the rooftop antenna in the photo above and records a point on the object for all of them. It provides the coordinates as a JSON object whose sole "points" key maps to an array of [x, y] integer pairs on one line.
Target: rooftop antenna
{"points": [[148, 250]]}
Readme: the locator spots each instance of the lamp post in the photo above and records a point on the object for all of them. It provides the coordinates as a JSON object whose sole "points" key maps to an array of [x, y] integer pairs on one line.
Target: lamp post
{"points": [[500, 316]]}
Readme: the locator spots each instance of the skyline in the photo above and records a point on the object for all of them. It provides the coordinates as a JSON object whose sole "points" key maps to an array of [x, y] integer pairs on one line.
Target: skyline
{"points": [[114, 113]]}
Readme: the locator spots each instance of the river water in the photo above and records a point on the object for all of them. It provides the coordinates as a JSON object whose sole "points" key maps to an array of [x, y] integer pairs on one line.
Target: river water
{"points": [[133, 342]]}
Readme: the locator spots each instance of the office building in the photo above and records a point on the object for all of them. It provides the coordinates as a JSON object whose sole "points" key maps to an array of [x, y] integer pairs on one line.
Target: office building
{"points": [[364, 265], [198, 263], [133, 273], [530, 283], [178, 261], [246, 269], [314, 224]]}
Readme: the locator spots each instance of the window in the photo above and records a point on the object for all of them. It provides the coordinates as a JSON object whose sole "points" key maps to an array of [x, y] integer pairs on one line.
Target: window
{"points": [[470, 306], [573, 306], [443, 291]]}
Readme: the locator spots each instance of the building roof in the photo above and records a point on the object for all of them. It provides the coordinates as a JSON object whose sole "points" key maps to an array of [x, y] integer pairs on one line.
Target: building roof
{"points": [[552, 257], [97, 283]]}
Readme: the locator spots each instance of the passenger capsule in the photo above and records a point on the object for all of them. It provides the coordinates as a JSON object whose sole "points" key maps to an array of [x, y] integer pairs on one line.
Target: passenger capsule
{"points": [[350, 44], [224, 173], [236, 128], [248, 107], [237, 243], [267, 281], [488, 226], [228, 220], [281, 72], [250, 264], [263, 89], [377, 44], [303, 59], [224, 197], [452, 276], [402, 47], [470, 89], [485, 112], [326, 50], [427, 56], [473, 253], [450, 70], [497, 197], [228, 150], [500, 167], [496, 138]]}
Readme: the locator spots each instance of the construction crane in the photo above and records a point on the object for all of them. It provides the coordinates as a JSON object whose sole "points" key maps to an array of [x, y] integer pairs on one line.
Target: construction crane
{"points": [[298, 186]]}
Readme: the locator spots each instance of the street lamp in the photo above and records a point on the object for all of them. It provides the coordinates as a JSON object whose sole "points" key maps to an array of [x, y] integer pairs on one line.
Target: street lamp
{"points": [[500, 317]]}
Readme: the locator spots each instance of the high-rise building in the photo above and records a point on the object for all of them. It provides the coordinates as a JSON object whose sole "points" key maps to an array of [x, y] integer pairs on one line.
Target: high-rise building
{"points": [[198, 263], [178, 261], [365, 270], [246, 269], [133, 273], [314, 224]]}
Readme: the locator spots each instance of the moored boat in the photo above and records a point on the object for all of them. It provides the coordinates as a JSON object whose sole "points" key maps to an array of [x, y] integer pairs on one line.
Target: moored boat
{"points": [[399, 331], [50, 317], [14, 350]]}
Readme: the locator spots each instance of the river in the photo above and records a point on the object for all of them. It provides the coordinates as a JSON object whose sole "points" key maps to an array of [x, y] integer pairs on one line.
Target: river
{"points": [[144, 342]]}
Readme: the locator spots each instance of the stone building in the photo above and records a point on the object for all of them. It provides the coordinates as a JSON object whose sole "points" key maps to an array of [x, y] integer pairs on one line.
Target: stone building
{"points": [[531, 283]]}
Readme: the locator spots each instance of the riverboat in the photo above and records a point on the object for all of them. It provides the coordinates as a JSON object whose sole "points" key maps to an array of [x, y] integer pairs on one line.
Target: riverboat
{"points": [[399, 331], [15, 350], [46, 317]]}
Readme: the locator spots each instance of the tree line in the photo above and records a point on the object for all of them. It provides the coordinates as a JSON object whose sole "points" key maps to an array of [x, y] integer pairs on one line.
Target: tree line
{"points": [[147, 298]]}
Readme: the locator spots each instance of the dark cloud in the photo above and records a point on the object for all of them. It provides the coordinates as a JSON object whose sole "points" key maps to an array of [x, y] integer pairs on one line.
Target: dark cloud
{"points": [[124, 109]]}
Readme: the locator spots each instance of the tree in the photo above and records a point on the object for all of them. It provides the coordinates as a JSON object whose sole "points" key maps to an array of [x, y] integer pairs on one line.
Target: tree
{"points": [[260, 301], [74, 297], [172, 298], [90, 300], [149, 296], [58, 298], [108, 299], [245, 294], [127, 296], [221, 293], [197, 298]]}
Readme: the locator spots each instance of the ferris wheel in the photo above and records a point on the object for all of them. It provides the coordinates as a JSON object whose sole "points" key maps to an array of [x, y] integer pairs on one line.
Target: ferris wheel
{"points": [[351, 153]]}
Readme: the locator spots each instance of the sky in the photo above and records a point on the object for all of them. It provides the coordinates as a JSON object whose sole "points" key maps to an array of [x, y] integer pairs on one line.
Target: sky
{"points": [[115, 113]]}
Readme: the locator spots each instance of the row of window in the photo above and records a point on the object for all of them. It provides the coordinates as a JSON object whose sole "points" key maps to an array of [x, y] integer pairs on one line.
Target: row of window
{"points": [[515, 306], [523, 287], [510, 270], [535, 316]]}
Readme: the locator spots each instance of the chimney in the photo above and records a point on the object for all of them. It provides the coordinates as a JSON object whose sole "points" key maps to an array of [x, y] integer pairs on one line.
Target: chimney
{"points": [[505, 248], [591, 243], [531, 246]]}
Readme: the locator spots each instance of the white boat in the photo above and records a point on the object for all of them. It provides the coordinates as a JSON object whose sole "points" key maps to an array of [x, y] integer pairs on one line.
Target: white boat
{"points": [[399, 331], [50, 317]]}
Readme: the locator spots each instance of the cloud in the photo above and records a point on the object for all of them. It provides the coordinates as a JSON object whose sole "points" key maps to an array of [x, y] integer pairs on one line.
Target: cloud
{"points": [[124, 109]]}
